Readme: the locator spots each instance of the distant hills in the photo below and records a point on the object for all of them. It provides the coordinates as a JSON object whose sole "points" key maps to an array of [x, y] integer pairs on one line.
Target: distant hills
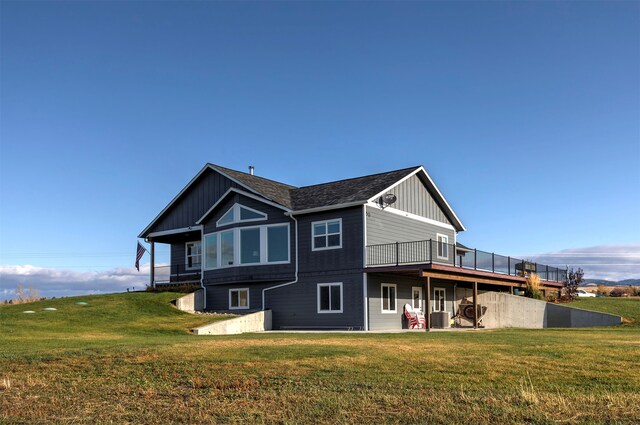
{"points": [[625, 282]]}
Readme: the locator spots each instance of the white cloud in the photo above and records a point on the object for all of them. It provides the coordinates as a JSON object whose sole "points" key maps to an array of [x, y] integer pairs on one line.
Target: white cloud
{"points": [[58, 282], [610, 262]]}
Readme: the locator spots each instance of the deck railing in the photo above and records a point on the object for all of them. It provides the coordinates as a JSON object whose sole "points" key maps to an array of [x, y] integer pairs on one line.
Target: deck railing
{"points": [[176, 274], [431, 251]]}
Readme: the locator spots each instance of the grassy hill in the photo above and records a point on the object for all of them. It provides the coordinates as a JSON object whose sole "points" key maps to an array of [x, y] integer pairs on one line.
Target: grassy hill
{"points": [[128, 358], [137, 318]]}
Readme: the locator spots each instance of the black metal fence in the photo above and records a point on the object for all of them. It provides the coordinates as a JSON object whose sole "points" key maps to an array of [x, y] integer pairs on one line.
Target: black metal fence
{"points": [[430, 251], [175, 274]]}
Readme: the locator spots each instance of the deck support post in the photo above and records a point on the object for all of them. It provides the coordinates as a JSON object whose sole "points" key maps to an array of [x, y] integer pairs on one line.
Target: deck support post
{"points": [[427, 307], [475, 305], [152, 265]]}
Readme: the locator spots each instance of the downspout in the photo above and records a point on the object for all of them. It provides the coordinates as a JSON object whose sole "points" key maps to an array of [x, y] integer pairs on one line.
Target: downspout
{"points": [[202, 258], [365, 280], [288, 214]]}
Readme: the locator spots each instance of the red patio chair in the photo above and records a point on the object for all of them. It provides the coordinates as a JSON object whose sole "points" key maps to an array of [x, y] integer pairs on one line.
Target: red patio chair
{"points": [[414, 317]]}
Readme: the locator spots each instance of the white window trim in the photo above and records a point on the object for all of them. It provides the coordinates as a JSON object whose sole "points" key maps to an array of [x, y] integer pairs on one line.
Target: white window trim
{"points": [[236, 215], [326, 223], [419, 289], [446, 237], [264, 247], [433, 300], [321, 285], [239, 290], [395, 307], [186, 256]]}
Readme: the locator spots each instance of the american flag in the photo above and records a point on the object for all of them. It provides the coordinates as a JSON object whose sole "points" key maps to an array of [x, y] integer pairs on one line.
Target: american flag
{"points": [[139, 253]]}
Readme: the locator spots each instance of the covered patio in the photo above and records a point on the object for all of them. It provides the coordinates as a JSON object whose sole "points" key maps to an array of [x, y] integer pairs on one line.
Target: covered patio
{"points": [[459, 278]]}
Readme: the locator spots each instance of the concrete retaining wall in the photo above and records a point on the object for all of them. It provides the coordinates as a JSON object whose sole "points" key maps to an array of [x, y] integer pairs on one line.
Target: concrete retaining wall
{"points": [[253, 322], [191, 302], [511, 311]]}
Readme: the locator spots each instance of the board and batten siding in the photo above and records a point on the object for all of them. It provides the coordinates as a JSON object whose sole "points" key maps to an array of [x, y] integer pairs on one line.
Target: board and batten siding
{"points": [[194, 202], [413, 197]]}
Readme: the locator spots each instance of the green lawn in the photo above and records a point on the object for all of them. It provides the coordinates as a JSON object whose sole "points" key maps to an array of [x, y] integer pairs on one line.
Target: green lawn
{"points": [[128, 358]]}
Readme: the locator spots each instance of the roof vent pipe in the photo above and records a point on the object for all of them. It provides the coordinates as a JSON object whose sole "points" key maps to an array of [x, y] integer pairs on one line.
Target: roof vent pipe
{"points": [[251, 169]]}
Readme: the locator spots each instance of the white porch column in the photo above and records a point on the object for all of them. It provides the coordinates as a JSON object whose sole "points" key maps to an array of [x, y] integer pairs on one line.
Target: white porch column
{"points": [[152, 268]]}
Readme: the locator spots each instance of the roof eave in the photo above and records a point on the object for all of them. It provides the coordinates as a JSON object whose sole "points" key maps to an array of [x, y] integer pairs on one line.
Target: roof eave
{"points": [[329, 207]]}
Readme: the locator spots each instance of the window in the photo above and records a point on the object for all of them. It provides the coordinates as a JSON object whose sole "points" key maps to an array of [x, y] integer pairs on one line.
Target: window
{"points": [[388, 298], [211, 251], [443, 246], [247, 246], [330, 298], [250, 245], [192, 255], [416, 298], [238, 299], [226, 248], [327, 234], [227, 218], [240, 214], [439, 298], [278, 244]]}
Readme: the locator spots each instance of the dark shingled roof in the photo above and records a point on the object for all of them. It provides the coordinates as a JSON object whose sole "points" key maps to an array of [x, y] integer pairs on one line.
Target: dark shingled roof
{"points": [[358, 189], [273, 190]]}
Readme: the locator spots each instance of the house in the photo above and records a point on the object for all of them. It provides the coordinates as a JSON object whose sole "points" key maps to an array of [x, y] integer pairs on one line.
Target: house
{"points": [[347, 254]]}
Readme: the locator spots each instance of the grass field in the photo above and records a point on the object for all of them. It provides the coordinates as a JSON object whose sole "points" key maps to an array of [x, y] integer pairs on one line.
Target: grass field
{"points": [[128, 358]]}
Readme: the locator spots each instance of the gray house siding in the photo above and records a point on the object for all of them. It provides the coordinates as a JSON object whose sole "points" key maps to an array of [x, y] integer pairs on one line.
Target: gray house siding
{"points": [[178, 254], [404, 284], [194, 202], [260, 273], [384, 227], [413, 197], [296, 306], [347, 258], [218, 296]]}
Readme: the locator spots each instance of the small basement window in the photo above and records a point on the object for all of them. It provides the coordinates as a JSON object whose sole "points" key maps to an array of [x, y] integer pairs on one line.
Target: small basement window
{"points": [[330, 298], [238, 299]]}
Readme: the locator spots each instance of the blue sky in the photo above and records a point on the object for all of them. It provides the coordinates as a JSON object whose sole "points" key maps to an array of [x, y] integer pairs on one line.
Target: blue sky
{"points": [[526, 114]]}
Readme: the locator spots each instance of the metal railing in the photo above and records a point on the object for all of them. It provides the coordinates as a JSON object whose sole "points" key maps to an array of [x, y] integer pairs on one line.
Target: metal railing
{"points": [[430, 251], [175, 274]]}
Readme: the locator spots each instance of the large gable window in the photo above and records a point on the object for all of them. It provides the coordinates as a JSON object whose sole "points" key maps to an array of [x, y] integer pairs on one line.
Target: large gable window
{"points": [[327, 234], [211, 251], [250, 245], [240, 214], [246, 246]]}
